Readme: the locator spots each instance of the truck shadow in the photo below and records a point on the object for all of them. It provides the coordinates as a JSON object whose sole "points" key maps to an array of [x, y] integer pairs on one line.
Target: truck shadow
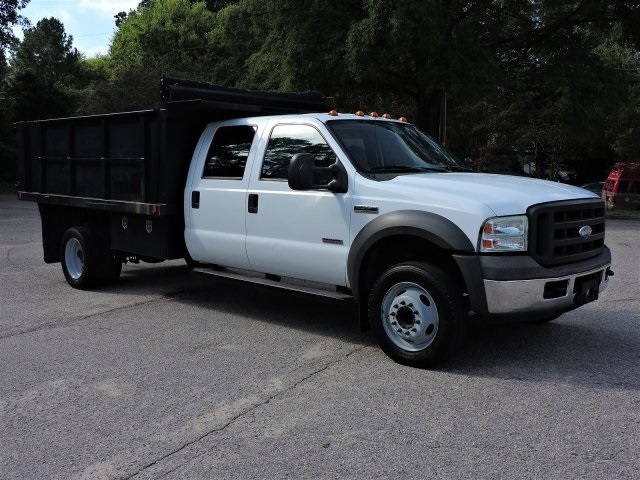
{"points": [[318, 315], [563, 351]]}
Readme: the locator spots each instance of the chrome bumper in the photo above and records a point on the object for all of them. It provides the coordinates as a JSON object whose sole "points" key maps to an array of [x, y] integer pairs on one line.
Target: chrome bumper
{"points": [[515, 296]]}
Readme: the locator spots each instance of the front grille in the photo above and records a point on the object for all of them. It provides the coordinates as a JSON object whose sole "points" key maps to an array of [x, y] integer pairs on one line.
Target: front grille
{"points": [[554, 227]]}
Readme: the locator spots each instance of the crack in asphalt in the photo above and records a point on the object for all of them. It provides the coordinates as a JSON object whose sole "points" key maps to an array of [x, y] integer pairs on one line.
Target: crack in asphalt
{"points": [[14, 264], [68, 322], [618, 300], [241, 415]]}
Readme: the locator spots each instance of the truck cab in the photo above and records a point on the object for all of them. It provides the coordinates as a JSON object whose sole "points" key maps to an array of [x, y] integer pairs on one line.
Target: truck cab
{"points": [[246, 215]]}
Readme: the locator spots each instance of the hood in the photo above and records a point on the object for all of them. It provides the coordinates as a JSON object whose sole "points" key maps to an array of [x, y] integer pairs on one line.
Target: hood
{"points": [[503, 194]]}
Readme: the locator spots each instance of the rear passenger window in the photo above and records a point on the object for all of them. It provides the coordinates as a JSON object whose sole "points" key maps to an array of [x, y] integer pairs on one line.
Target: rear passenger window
{"points": [[227, 156]]}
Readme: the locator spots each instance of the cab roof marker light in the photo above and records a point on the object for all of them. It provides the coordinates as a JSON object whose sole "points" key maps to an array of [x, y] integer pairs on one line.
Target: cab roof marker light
{"points": [[403, 119], [333, 113], [360, 113], [386, 115], [374, 114]]}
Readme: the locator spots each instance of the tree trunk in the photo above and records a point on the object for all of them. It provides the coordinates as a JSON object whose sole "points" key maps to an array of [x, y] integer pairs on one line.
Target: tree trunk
{"points": [[430, 114]]}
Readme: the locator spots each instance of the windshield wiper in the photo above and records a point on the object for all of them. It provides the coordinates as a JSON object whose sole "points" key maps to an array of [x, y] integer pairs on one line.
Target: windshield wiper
{"points": [[457, 168], [404, 168]]}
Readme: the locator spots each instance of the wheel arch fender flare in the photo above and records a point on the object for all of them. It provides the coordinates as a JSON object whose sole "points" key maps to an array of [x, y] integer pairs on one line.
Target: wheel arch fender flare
{"points": [[431, 227]]}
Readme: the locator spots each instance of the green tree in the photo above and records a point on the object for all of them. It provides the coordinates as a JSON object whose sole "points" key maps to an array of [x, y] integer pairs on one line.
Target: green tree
{"points": [[166, 30], [7, 150], [622, 61], [286, 45], [161, 36], [45, 72], [217, 5], [566, 97], [626, 136], [9, 17]]}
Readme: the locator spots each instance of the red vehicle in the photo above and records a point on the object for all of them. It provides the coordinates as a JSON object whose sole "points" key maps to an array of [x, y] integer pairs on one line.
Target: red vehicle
{"points": [[622, 188]]}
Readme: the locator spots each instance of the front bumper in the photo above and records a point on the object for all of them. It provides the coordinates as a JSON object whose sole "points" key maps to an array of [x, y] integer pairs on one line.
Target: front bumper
{"points": [[525, 296], [500, 285]]}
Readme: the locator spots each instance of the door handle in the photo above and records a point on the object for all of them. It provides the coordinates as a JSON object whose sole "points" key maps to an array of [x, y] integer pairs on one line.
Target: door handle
{"points": [[253, 203], [195, 199]]}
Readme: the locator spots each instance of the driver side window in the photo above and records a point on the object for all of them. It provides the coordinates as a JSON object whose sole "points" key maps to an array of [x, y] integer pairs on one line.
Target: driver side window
{"points": [[288, 140]]}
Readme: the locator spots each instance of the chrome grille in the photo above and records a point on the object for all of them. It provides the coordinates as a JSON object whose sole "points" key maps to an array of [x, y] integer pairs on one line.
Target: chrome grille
{"points": [[554, 231]]}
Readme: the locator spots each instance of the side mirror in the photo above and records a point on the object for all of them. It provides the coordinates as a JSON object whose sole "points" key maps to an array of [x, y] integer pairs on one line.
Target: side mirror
{"points": [[302, 167], [301, 171]]}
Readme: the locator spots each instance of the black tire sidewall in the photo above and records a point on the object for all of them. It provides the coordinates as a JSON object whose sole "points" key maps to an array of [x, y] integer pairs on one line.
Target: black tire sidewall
{"points": [[112, 270], [100, 265], [85, 238], [445, 294]]}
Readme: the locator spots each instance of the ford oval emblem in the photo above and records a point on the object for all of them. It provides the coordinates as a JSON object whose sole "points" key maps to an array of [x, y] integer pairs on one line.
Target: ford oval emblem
{"points": [[585, 231]]}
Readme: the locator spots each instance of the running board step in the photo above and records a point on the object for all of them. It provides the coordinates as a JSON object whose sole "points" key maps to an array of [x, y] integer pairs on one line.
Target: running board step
{"points": [[300, 286]]}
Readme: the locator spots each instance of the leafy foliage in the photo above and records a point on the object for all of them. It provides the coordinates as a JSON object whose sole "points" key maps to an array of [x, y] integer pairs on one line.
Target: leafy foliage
{"points": [[43, 80], [10, 17], [45, 71], [547, 81], [163, 36]]}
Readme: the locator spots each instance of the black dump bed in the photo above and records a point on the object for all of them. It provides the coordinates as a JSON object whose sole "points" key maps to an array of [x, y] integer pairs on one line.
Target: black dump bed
{"points": [[135, 162], [128, 161]]}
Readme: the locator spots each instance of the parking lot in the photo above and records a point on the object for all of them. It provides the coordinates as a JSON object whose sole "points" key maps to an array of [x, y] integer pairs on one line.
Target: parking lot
{"points": [[171, 374]]}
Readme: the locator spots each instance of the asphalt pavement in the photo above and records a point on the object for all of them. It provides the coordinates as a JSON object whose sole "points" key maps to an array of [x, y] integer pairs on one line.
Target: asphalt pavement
{"points": [[171, 374]]}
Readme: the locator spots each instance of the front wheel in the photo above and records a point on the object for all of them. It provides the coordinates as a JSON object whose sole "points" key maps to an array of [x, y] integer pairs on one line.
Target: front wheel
{"points": [[415, 311]]}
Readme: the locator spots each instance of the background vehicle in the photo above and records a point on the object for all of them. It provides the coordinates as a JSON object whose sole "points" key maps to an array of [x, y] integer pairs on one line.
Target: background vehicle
{"points": [[247, 186], [560, 172], [595, 187], [622, 188]]}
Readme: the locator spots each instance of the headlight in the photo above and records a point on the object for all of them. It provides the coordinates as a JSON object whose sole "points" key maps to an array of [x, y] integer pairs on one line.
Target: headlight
{"points": [[504, 234]]}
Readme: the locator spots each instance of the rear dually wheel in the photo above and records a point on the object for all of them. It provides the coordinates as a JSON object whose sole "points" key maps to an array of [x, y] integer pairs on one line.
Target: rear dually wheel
{"points": [[86, 260]]}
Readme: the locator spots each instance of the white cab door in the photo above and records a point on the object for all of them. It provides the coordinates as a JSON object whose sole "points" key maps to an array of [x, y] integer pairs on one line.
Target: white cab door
{"points": [[300, 234], [217, 197]]}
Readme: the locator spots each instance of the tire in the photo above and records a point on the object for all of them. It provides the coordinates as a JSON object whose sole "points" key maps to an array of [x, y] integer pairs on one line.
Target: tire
{"points": [[111, 270], [415, 311], [86, 260], [190, 261], [151, 260]]}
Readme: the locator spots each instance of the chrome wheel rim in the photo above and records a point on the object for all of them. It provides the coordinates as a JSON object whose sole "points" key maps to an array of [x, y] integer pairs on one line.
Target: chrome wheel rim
{"points": [[74, 258], [410, 316]]}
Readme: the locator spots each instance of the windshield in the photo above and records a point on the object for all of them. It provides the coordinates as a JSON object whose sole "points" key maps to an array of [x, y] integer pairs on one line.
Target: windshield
{"points": [[380, 146]]}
